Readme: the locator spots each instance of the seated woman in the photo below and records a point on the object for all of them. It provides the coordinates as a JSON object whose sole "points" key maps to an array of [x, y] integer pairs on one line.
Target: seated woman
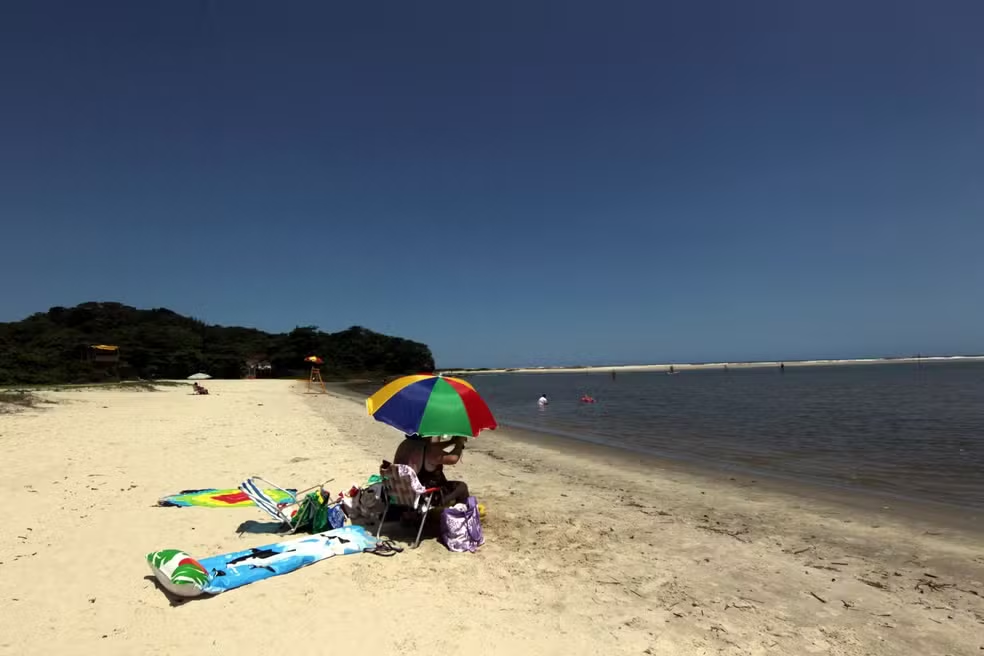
{"points": [[411, 452], [427, 456], [431, 473]]}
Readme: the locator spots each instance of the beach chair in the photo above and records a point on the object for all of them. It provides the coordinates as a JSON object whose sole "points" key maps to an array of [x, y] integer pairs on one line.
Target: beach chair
{"points": [[285, 512], [401, 487]]}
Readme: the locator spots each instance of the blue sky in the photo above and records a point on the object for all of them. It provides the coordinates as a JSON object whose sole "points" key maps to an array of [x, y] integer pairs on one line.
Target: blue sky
{"points": [[511, 182]]}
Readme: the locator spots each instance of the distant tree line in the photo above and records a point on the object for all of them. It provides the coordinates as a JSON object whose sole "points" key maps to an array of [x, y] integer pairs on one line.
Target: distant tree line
{"points": [[52, 347]]}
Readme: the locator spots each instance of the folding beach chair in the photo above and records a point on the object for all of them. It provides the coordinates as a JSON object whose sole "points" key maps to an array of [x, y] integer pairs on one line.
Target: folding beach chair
{"points": [[285, 512], [402, 488]]}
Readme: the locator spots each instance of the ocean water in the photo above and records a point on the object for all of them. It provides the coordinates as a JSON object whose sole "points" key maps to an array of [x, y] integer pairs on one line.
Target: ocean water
{"points": [[901, 429]]}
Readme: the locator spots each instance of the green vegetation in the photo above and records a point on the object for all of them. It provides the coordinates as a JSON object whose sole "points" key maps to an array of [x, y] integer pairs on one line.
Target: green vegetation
{"points": [[52, 347], [12, 400], [112, 385]]}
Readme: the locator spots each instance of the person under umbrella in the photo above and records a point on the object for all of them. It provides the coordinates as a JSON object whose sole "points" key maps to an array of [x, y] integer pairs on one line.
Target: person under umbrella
{"points": [[428, 408], [428, 456]]}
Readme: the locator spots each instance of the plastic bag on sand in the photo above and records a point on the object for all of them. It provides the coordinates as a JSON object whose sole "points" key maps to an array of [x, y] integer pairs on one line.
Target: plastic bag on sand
{"points": [[461, 527]]}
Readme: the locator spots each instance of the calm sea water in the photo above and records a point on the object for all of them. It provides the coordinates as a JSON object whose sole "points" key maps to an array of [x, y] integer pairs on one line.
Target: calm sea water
{"points": [[912, 431]]}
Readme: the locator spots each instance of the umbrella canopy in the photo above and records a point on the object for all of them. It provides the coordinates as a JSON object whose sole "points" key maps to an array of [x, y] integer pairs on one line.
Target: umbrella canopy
{"points": [[313, 359], [430, 405], [199, 377]]}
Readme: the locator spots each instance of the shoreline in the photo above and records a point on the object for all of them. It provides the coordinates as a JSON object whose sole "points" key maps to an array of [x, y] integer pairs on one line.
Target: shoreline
{"points": [[701, 366], [774, 542], [925, 511], [587, 551], [916, 508]]}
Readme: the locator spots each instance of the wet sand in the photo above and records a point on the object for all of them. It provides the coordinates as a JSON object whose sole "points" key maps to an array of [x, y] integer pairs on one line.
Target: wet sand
{"points": [[587, 550]]}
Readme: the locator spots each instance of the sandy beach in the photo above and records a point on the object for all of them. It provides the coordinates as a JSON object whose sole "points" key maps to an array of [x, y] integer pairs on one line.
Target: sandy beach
{"points": [[701, 366], [587, 550]]}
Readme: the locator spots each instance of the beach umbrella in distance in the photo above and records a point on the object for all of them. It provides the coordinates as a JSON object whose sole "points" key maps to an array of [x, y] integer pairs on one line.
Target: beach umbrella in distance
{"points": [[431, 405], [199, 376], [313, 359]]}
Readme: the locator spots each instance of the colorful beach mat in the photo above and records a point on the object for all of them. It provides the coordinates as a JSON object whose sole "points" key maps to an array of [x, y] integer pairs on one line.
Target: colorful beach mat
{"points": [[184, 576], [215, 498]]}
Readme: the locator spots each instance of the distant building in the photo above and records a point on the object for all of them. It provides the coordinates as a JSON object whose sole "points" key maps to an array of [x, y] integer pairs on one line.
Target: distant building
{"points": [[105, 357], [258, 366]]}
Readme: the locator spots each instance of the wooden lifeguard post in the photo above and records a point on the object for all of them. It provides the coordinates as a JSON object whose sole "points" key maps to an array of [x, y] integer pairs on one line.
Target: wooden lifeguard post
{"points": [[106, 356], [314, 380]]}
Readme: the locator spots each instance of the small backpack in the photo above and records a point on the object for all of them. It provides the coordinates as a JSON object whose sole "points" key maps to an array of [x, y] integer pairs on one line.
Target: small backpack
{"points": [[317, 513], [368, 503], [461, 528]]}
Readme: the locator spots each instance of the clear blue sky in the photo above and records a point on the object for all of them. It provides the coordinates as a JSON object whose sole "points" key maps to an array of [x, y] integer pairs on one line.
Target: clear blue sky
{"points": [[512, 183]]}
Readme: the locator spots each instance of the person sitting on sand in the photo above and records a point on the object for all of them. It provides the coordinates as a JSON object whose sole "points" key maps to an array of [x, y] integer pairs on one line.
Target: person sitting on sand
{"points": [[431, 474], [410, 452], [199, 389], [427, 457]]}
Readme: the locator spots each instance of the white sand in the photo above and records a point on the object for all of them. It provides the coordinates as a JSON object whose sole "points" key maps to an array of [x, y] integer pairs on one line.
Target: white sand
{"points": [[626, 368], [584, 555]]}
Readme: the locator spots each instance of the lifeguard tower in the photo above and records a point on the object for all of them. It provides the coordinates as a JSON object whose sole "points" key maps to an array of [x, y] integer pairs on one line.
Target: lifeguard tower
{"points": [[315, 380]]}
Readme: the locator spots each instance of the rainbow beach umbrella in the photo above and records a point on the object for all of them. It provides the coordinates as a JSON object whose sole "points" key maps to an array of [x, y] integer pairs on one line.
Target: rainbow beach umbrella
{"points": [[431, 405]]}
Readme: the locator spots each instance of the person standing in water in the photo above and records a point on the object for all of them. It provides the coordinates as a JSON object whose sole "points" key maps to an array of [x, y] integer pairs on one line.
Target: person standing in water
{"points": [[542, 401]]}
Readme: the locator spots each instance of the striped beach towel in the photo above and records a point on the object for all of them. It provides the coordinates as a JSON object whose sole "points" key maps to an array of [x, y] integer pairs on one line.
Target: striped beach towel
{"points": [[220, 498]]}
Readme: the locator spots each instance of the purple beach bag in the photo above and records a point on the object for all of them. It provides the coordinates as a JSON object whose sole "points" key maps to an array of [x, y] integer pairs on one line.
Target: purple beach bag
{"points": [[461, 529]]}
